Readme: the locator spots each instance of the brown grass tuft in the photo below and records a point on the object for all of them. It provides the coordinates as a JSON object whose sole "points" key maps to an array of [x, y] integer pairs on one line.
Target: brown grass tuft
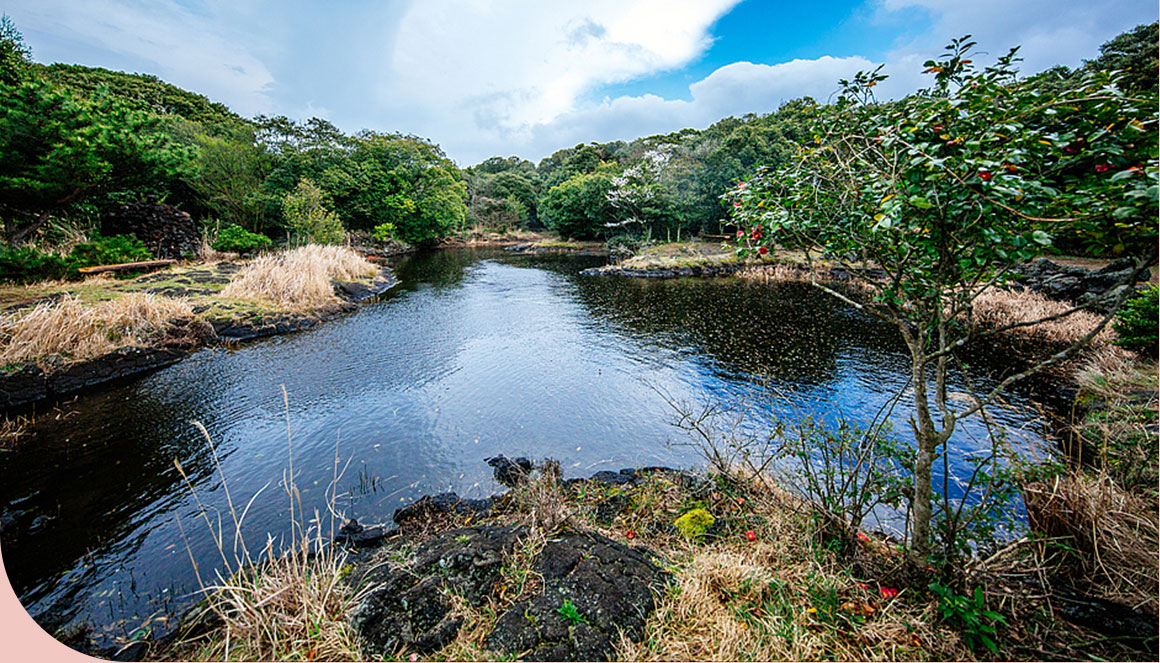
{"points": [[1114, 533], [299, 278], [997, 307], [70, 328]]}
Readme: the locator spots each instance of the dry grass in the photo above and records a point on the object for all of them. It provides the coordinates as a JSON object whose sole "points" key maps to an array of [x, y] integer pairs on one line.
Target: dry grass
{"points": [[1113, 533], [997, 307], [71, 328], [293, 607], [290, 605], [783, 272], [299, 278], [775, 598]]}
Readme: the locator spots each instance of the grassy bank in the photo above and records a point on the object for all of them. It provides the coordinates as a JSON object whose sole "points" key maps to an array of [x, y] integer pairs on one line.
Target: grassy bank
{"points": [[68, 322]]}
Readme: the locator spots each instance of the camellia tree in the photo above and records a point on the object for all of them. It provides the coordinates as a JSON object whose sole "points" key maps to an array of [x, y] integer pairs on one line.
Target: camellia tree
{"points": [[931, 200]]}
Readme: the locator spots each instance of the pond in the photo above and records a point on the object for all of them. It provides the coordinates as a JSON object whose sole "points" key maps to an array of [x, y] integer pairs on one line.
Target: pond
{"points": [[474, 353]]}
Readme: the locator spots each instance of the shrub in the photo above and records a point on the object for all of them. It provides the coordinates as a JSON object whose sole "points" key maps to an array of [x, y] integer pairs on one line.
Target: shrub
{"points": [[237, 239], [384, 232], [623, 246], [108, 251], [27, 264], [1136, 321], [308, 216], [695, 523], [970, 615]]}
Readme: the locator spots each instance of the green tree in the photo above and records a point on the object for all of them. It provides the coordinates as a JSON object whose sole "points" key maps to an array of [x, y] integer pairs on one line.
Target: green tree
{"points": [[1135, 54], [57, 150], [15, 56], [309, 217], [945, 191], [579, 206]]}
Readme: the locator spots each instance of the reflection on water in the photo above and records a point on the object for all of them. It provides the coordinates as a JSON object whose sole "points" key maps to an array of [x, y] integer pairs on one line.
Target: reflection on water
{"points": [[474, 353]]}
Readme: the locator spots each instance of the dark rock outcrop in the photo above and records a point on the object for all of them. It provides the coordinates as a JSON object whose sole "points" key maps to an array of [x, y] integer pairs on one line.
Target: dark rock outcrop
{"points": [[166, 231], [609, 586], [1078, 285], [509, 472], [433, 507], [30, 383], [405, 607]]}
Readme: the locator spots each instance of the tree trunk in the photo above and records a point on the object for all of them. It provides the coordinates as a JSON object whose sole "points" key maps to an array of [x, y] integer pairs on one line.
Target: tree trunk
{"points": [[927, 440]]}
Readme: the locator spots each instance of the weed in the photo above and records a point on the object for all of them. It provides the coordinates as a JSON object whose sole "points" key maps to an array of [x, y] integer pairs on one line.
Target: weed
{"points": [[571, 613], [970, 615]]}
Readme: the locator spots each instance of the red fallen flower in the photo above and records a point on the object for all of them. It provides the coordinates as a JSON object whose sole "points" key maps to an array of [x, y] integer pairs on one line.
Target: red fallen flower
{"points": [[862, 536], [1102, 167], [762, 250], [984, 175], [863, 585], [887, 592], [630, 534], [740, 500], [750, 534]]}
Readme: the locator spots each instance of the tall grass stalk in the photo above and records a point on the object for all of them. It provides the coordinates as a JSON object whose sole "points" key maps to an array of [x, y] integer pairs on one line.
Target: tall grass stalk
{"points": [[287, 602]]}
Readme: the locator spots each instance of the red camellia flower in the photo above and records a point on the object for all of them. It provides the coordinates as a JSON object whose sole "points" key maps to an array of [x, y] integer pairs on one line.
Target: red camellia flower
{"points": [[1102, 167], [762, 250], [630, 534], [1010, 167], [984, 175], [750, 534], [756, 234], [887, 592], [737, 204], [862, 536], [741, 233]]}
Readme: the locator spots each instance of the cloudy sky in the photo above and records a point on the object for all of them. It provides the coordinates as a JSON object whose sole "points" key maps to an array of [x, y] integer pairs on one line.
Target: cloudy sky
{"points": [[527, 77]]}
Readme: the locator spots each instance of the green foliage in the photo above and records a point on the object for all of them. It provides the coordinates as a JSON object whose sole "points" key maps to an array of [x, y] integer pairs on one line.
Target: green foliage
{"points": [[579, 207], [571, 613], [384, 232], [623, 246], [108, 251], [236, 239], [694, 523], [1136, 322], [15, 56], [26, 264], [1135, 54], [308, 215], [970, 615], [58, 150], [145, 93]]}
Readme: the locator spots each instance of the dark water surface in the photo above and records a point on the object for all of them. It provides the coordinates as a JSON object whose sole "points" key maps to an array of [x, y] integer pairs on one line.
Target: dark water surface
{"points": [[474, 353]]}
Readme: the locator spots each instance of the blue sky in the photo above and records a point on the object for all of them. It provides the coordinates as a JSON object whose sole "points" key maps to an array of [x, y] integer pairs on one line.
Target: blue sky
{"points": [[492, 77]]}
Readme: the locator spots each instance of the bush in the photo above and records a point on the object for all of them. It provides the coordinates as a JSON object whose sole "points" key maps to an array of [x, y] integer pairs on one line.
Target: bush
{"points": [[1137, 321], [623, 246], [236, 239], [108, 251], [26, 265], [308, 216], [384, 232]]}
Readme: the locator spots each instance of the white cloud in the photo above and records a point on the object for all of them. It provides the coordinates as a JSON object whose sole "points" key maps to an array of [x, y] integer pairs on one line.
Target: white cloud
{"points": [[514, 65], [166, 39]]}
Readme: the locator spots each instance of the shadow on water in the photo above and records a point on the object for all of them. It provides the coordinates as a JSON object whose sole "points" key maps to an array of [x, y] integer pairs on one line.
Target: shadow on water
{"points": [[474, 353]]}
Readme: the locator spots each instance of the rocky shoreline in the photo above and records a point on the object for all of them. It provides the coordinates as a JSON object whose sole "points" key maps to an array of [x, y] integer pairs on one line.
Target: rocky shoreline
{"points": [[33, 382]]}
